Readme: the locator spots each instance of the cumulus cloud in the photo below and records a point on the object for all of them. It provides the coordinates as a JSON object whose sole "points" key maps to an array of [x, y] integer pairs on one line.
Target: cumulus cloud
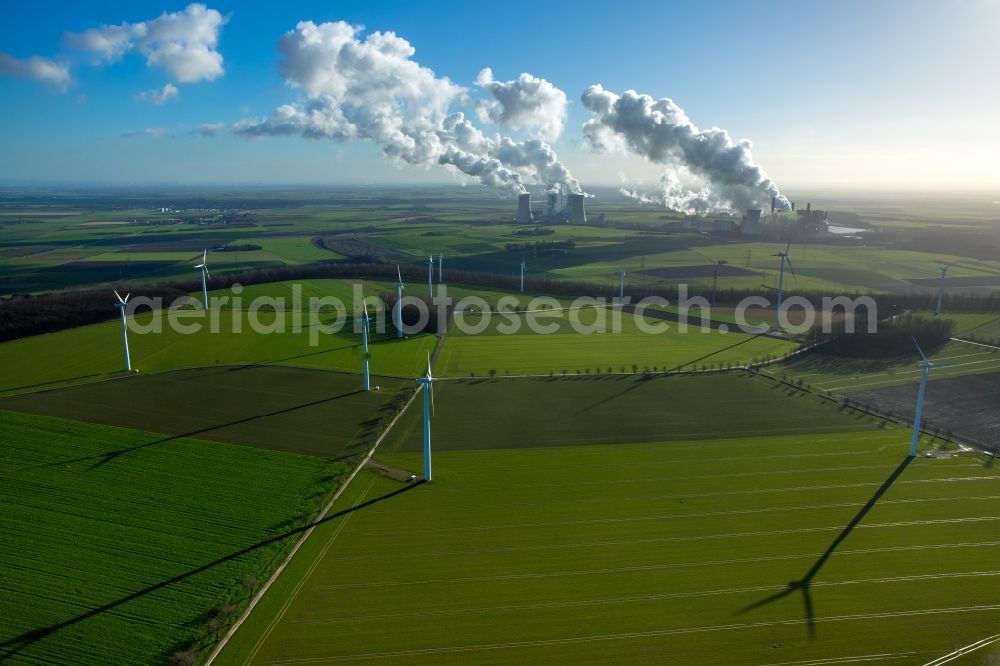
{"points": [[372, 89], [209, 129], [523, 103], [660, 131], [51, 72], [158, 97], [183, 43]]}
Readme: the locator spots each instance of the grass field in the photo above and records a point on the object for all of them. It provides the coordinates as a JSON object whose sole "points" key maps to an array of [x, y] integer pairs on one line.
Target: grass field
{"points": [[120, 545], [844, 375], [528, 352], [90, 352], [288, 409], [669, 541]]}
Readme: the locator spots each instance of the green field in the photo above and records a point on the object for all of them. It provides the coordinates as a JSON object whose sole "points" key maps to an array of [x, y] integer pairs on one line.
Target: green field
{"points": [[289, 409], [838, 374], [121, 546], [90, 352], [608, 521], [530, 352]]}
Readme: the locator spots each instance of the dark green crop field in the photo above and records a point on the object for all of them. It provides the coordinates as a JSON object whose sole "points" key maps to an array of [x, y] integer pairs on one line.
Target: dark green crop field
{"points": [[122, 546], [288, 409], [502, 413]]}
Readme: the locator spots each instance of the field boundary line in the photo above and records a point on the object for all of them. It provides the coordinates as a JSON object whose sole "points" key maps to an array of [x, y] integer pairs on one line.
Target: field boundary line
{"points": [[309, 572], [978, 344], [305, 535], [593, 638], [962, 651]]}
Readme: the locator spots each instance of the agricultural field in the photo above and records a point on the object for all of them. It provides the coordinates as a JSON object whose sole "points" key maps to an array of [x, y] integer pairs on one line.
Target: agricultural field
{"points": [[619, 520], [95, 242], [124, 546], [91, 352], [966, 407], [617, 350], [836, 374], [288, 409]]}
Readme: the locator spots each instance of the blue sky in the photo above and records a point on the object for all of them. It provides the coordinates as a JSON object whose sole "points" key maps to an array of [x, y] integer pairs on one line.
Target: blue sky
{"points": [[863, 94]]}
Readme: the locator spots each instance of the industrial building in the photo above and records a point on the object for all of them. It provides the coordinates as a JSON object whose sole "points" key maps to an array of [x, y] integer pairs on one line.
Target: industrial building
{"points": [[524, 208], [808, 222], [569, 208]]}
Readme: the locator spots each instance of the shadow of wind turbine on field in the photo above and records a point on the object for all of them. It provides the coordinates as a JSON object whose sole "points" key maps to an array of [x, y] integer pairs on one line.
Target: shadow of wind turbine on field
{"points": [[102, 459], [12, 646], [804, 584]]}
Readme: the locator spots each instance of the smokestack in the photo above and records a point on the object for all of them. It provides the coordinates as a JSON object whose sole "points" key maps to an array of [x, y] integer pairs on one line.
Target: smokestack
{"points": [[793, 206], [808, 208], [524, 208], [577, 214], [774, 201]]}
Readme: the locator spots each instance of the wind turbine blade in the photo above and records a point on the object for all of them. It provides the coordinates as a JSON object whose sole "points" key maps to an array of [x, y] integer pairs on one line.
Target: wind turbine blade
{"points": [[207, 274], [705, 256], [429, 366], [125, 300], [787, 247], [200, 266], [118, 295], [919, 349], [399, 274], [204, 256], [789, 260]]}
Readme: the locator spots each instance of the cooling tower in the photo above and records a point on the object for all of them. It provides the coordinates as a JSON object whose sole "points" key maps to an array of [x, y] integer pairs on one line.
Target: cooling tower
{"points": [[524, 208], [577, 215]]}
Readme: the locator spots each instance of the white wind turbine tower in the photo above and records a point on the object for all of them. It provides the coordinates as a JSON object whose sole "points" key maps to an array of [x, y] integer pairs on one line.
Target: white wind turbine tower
{"points": [[430, 277], [427, 382], [621, 288], [121, 306], [203, 266], [399, 303], [925, 367], [522, 275], [715, 273], [364, 347], [781, 280], [940, 298]]}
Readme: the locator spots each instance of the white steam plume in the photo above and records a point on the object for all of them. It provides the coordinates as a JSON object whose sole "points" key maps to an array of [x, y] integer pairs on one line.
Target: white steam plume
{"points": [[372, 89], [523, 103], [660, 131]]}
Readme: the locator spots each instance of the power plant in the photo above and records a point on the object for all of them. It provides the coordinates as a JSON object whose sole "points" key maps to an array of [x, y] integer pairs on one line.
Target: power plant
{"points": [[806, 222], [558, 208], [524, 208]]}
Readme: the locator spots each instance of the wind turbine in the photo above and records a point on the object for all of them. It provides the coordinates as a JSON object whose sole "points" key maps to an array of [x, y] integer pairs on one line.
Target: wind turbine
{"points": [[121, 306], [522, 276], [781, 280], [440, 268], [430, 277], [427, 382], [940, 299], [715, 273], [925, 367], [399, 303], [621, 288], [364, 346], [203, 266]]}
